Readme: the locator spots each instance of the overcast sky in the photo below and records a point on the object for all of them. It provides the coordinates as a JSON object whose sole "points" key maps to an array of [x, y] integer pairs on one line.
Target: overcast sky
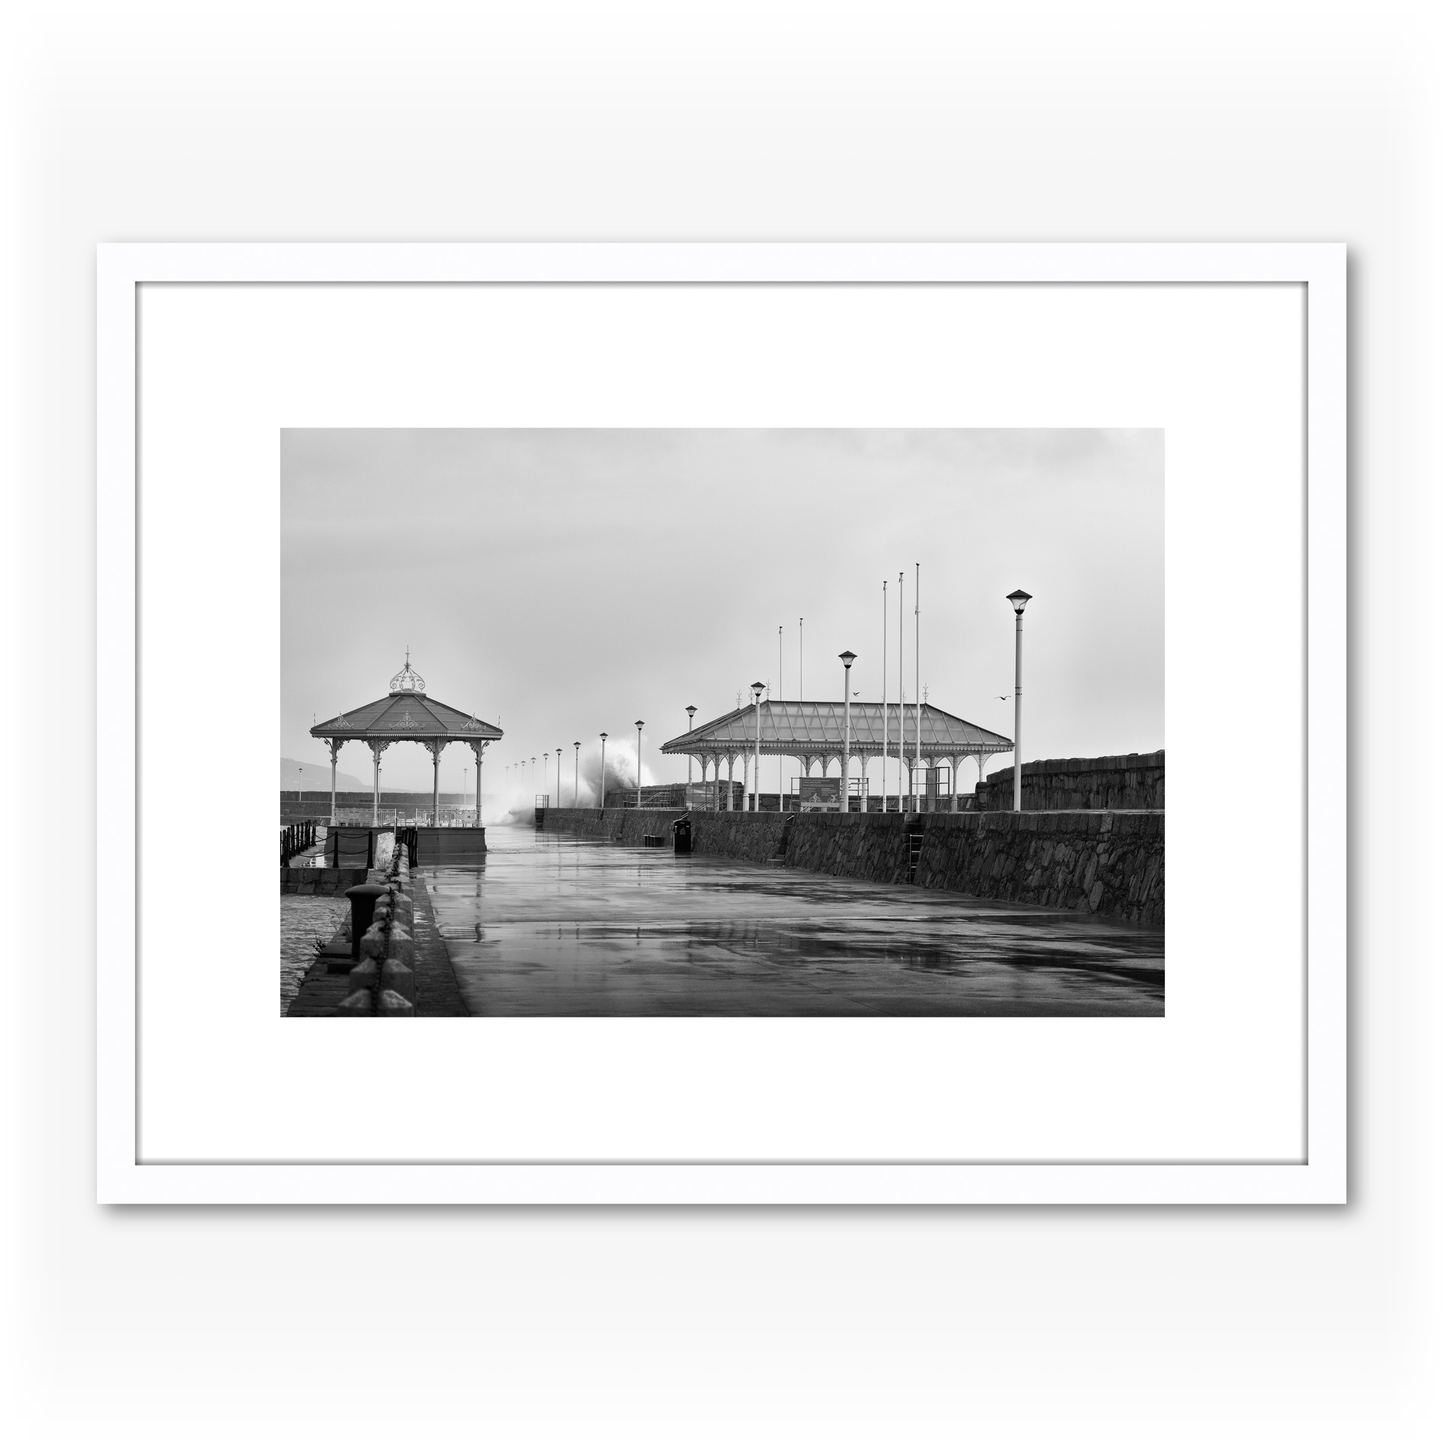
{"points": [[567, 582]]}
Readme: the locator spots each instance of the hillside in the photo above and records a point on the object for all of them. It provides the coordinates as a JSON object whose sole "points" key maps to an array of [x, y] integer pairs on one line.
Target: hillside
{"points": [[318, 775]]}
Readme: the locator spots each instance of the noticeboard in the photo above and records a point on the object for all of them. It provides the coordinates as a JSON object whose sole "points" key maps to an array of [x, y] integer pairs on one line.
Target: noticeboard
{"points": [[819, 794]]}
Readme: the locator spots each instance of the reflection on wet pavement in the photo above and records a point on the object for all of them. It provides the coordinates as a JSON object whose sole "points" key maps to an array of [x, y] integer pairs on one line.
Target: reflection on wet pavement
{"points": [[554, 925]]}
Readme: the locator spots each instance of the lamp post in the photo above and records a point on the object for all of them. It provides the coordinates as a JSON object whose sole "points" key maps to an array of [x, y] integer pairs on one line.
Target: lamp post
{"points": [[1020, 600], [847, 660], [533, 780], [691, 710], [546, 758], [917, 684], [639, 762], [602, 785], [758, 689], [884, 802], [900, 699], [559, 775], [576, 769], [464, 793]]}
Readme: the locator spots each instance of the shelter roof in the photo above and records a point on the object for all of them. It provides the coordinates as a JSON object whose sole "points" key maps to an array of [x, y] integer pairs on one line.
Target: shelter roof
{"points": [[795, 729], [407, 714]]}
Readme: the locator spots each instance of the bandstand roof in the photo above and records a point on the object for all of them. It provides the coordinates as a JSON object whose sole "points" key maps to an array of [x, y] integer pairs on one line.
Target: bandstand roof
{"points": [[407, 714], [811, 729]]}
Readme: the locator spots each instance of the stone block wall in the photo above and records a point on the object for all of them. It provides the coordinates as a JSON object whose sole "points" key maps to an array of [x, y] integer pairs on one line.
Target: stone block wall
{"points": [[324, 882], [1130, 780], [1089, 862], [724, 835], [442, 847], [1101, 861], [852, 845]]}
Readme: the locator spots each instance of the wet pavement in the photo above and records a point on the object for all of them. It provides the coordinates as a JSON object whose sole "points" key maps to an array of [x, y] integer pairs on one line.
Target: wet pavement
{"points": [[554, 925]]}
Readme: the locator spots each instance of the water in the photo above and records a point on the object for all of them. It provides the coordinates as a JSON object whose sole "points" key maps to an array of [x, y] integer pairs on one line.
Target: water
{"points": [[303, 921], [554, 925]]}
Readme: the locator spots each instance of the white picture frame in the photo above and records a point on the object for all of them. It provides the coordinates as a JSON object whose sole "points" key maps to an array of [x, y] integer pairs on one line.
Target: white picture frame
{"points": [[1314, 1173]]}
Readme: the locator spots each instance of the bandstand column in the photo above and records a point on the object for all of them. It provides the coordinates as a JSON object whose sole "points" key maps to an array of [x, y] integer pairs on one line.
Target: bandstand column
{"points": [[730, 782], [375, 781], [335, 748], [435, 749], [477, 750]]}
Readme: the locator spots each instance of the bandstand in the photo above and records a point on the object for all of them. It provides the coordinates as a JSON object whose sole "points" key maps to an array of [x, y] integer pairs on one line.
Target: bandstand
{"points": [[813, 732], [407, 715]]}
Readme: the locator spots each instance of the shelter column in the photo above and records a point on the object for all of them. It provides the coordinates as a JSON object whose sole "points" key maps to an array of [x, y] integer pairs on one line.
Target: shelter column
{"points": [[335, 748], [731, 760], [376, 751], [435, 749], [477, 750]]}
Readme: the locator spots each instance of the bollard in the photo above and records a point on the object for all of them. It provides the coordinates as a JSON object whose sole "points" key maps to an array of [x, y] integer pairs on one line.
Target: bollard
{"points": [[363, 904], [392, 1004], [356, 1005], [397, 977], [400, 944], [365, 974]]}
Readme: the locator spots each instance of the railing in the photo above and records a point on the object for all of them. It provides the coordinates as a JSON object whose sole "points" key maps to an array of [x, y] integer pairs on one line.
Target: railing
{"points": [[296, 838], [344, 845]]}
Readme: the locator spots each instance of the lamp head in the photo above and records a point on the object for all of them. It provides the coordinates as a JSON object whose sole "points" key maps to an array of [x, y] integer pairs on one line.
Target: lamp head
{"points": [[604, 737], [848, 658], [689, 710], [759, 688], [639, 724], [1020, 600]]}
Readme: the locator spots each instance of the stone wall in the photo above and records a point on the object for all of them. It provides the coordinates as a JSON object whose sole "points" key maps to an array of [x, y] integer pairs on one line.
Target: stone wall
{"points": [[1132, 780], [325, 882], [448, 847], [753, 836], [1107, 862]]}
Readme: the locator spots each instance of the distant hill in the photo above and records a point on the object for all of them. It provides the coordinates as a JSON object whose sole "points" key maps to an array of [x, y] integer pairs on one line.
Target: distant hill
{"points": [[318, 775]]}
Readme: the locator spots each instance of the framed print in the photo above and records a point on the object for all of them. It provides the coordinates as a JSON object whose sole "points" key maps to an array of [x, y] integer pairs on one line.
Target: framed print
{"points": [[721, 696]]}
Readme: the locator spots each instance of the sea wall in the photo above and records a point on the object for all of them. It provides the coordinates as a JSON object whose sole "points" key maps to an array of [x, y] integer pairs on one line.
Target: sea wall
{"points": [[324, 882], [1109, 862], [749, 836], [1131, 780]]}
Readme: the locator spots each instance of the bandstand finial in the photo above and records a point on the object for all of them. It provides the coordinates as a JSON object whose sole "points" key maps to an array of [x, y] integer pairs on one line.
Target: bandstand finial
{"points": [[408, 680]]}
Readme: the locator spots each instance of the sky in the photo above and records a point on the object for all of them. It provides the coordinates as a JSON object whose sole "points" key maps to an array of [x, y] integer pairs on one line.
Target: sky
{"points": [[562, 583]]}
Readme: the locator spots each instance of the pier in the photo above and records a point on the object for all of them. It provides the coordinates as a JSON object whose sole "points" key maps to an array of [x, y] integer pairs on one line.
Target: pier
{"points": [[561, 925]]}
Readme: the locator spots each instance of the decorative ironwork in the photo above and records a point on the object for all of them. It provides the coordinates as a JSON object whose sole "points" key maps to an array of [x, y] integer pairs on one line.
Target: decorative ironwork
{"points": [[408, 680]]}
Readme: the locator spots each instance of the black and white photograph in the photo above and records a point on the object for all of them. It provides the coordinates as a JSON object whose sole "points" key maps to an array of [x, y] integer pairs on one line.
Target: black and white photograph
{"points": [[722, 722]]}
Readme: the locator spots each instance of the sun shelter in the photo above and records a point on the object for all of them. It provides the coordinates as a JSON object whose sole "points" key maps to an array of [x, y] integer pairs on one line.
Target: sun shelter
{"points": [[407, 715], [812, 732]]}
